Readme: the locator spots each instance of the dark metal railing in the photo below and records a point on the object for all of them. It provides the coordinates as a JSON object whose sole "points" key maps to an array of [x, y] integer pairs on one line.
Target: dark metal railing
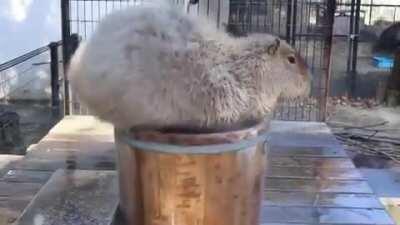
{"points": [[28, 60], [23, 58]]}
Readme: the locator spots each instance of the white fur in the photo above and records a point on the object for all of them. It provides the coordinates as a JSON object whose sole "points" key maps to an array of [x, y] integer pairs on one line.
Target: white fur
{"points": [[153, 66]]}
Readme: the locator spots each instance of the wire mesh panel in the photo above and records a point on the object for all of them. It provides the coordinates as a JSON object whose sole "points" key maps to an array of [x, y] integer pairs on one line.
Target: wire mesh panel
{"points": [[27, 84], [358, 27], [28, 77], [82, 19], [305, 24]]}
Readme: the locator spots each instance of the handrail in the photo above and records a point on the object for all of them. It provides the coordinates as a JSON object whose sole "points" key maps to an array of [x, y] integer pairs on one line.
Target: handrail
{"points": [[25, 57]]}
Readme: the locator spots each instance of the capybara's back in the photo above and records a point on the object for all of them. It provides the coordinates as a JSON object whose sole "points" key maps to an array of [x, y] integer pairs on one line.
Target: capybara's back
{"points": [[155, 67]]}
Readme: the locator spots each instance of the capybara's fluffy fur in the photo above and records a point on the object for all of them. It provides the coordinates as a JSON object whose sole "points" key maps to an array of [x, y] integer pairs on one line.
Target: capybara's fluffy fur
{"points": [[155, 67]]}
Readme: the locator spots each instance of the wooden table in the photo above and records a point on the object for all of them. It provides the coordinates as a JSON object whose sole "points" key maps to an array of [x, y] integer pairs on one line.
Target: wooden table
{"points": [[310, 179]]}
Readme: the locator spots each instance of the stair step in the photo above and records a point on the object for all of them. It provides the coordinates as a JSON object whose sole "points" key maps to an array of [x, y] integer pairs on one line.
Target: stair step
{"points": [[74, 197]]}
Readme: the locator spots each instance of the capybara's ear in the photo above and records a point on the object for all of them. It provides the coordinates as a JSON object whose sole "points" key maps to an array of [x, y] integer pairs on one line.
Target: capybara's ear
{"points": [[273, 48]]}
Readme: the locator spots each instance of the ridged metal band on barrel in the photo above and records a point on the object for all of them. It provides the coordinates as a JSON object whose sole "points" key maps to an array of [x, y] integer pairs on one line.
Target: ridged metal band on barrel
{"points": [[179, 149]]}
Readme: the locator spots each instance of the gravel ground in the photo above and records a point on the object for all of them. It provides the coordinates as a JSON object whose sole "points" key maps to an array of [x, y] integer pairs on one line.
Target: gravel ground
{"points": [[389, 126]]}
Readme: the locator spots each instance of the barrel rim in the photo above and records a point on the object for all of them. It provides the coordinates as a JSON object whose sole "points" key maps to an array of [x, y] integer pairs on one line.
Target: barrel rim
{"points": [[209, 143], [241, 145]]}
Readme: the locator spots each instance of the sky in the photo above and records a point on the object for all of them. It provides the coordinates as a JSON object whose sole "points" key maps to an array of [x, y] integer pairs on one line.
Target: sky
{"points": [[26, 25]]}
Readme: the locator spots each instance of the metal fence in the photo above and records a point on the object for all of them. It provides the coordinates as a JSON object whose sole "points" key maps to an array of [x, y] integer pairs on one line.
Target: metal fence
{"points": [[358, 25], [305, 24], [41, 67], [25, 80]]}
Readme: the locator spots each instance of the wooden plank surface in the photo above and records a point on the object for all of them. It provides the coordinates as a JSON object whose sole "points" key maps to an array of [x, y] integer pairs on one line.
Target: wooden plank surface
{"points": [[14, 198], [74, 197], [317, 186], [310, 199], [26, 176], [313, 151], [6, 160], [76, 142], [310, 179], [315, 215], [308, 162], [314, 173]]}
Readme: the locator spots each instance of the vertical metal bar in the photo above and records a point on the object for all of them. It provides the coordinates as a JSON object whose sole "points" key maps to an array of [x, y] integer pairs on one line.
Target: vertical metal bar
{"points": [[258, 8], [78, 21], [309, 105], [250, 16], [55, 88], [279, 18], [351, 31], [98, 12], [301, 25], [243, 11], [331, 7], [66, 33], [303, 108], [288, 21], [296, 105], [266, 14], [271, 28], [293, 23], [370, 12], [355, 39], [218, 13], [208, 8], [73, 45], [92, 16], [198, 7], [84, 19], [314, 43], [308, 17]]}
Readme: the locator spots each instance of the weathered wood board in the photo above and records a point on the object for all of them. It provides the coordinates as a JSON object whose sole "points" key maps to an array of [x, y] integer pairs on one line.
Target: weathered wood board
{"points": [[310, 179]]}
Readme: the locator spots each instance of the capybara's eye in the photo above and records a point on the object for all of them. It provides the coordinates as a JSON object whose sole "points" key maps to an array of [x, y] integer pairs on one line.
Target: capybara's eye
{"points": [[292, 59]]}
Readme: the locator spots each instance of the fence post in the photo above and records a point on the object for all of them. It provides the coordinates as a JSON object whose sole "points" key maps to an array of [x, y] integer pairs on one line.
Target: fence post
{"points": [[350, 36], [293, 23], [289, 21], [330, 19], [73, 45], [66, 33], [355, 48], [55, 88]]}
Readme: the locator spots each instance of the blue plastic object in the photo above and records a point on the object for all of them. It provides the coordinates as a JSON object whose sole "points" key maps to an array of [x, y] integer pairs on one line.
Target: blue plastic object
{"points": [[383, 62]]}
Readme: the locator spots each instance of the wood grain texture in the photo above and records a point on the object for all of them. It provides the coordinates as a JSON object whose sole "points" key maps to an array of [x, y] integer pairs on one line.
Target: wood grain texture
{"points": [[191, 189]]}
